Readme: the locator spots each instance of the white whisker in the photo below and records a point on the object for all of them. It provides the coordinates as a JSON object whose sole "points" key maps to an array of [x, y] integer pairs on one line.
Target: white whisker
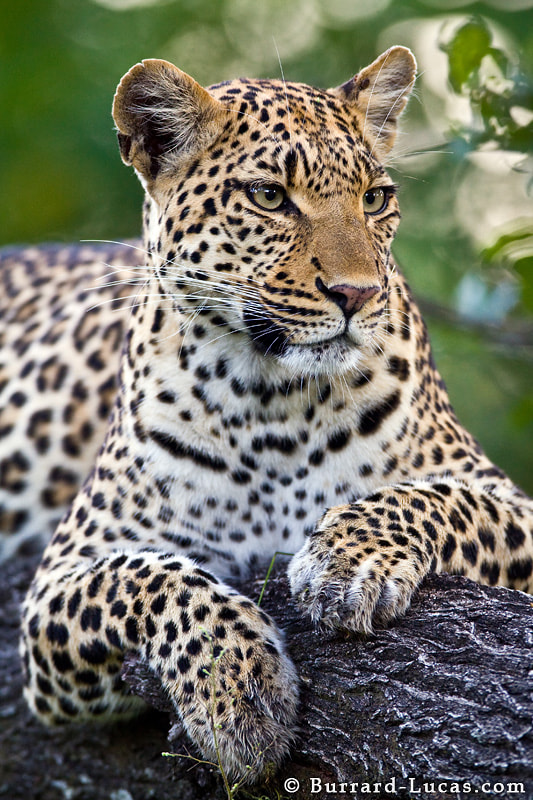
{"points": [[286, 94], [405, 91], [121, 244]]}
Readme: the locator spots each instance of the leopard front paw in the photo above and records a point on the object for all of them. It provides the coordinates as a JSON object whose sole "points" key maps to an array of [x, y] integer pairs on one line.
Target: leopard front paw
{"points": [[349, 574], [237, 692]]}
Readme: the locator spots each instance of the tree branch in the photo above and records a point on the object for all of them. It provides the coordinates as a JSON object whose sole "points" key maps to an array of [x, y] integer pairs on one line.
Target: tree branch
{"points": [[511, 333], [442, 695]]}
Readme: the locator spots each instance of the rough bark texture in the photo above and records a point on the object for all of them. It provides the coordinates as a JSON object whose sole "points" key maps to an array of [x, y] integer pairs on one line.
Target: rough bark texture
{"points": [[442, 697]]}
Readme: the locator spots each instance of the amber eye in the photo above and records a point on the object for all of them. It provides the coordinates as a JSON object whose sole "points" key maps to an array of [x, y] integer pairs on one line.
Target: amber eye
{"points": [[375, 200], [268, 197]]}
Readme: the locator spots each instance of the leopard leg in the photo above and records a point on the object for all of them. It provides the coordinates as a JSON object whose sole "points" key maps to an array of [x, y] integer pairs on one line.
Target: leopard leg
{"points": [[220, 658], [364, 560]]}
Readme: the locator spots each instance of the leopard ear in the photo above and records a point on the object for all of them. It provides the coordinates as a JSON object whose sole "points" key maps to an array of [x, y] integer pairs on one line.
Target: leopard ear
{"points": [[380, 93], [163, 116]]}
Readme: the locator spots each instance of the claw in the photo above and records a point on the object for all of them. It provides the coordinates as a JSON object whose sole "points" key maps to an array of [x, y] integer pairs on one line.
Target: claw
{"points": [[336, 593]]}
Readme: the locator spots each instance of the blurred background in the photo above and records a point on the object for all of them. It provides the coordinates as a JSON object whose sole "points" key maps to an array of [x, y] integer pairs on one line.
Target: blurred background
{"points": [[464, 160]]}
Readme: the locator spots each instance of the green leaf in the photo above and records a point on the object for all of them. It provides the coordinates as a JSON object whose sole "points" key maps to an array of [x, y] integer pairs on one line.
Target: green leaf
{"points": [[503, 245], [524, 267], [466, 50]]}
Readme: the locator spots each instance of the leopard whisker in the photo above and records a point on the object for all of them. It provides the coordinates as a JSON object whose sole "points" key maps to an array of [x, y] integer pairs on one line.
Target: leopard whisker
{"points": [[289, 121], [121, 244], [118, 270], [405, 91], [399, 155], [117, 300], [180, 270]]}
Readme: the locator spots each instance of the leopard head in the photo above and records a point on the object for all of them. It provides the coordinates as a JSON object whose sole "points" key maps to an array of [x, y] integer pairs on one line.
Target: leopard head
{"points": [[268, 207]]}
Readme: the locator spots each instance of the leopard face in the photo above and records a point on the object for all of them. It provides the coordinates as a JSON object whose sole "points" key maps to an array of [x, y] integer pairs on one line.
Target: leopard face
{"points": [[288, 239]]}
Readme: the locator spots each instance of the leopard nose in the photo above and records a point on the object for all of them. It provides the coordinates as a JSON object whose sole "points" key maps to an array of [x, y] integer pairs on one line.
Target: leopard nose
{"points": [[350, 299]]}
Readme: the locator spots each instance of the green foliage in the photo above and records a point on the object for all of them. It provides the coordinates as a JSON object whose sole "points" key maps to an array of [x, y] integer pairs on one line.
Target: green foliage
{"points": [[501, 99], [514, 250], [466, 50], [495, 86], [62, 178]]}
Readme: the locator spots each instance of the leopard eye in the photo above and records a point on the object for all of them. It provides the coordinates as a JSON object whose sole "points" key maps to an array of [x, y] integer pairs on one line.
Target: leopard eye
{"points": [[268, 197], [375, 200]]}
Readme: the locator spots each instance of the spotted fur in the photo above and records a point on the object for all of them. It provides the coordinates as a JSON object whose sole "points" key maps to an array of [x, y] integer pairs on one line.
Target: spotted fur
{"points": [[274, 371]]}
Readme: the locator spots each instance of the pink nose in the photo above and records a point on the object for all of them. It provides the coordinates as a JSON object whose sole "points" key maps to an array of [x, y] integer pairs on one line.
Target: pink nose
{"points": [[349, 298]]}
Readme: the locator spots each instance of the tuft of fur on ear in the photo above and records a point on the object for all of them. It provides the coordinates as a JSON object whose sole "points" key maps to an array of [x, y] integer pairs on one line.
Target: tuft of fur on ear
{"points": [[380, 93], [163, 116]]}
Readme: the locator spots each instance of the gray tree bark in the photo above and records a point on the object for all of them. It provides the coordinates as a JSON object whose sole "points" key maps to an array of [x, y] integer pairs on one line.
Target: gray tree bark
{"points": [[437, 705]]}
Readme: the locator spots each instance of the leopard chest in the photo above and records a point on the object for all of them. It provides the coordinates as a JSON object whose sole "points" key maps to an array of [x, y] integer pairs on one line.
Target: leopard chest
{"points": [[234, 490], [230, 457]]}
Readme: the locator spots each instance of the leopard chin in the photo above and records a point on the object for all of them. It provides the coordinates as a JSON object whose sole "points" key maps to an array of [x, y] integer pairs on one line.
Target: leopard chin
{"points": [[336, 356]]}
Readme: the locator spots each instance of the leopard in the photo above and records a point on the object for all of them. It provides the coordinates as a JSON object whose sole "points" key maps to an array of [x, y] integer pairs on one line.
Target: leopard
{"points": [[254, 377]]}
